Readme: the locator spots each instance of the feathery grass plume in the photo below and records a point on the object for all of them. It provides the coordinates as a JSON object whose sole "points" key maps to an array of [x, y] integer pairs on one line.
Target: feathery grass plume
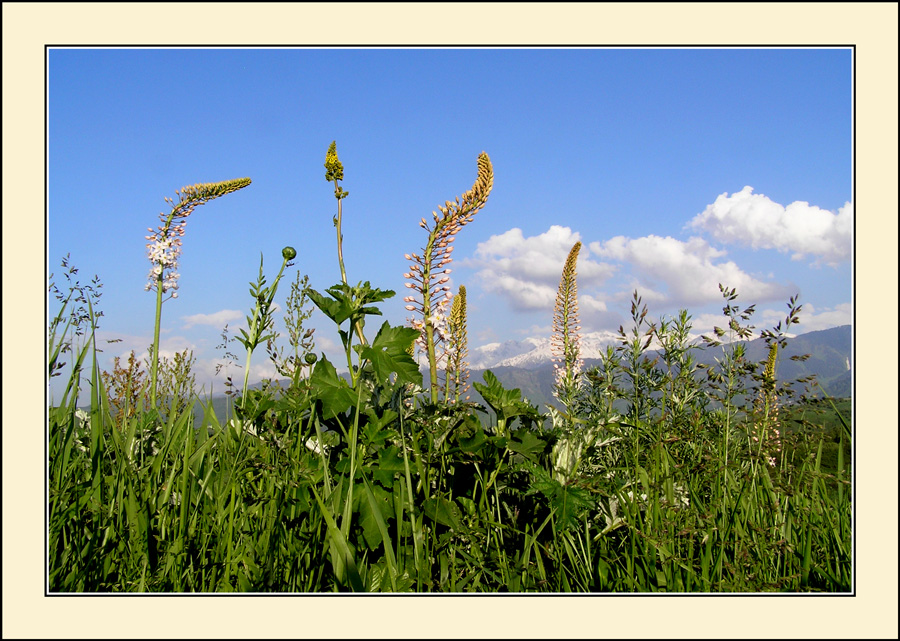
{"points": [[457, 372], [566, 340], [428, 275], [164, 249]]}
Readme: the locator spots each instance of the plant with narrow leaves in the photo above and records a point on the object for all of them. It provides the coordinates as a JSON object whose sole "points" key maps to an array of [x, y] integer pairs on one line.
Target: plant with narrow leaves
{"points": [[726, 376], [428, 275], [77, 307], [262, 320], [631, 352], [300, 339], [164, 248]]}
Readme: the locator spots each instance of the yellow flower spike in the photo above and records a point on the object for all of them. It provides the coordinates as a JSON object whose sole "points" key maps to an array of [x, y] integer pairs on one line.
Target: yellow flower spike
{"points": [[565, 327], [457, 368]]}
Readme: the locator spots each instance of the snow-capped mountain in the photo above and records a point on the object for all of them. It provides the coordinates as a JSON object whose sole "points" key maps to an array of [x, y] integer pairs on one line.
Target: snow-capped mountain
{"points": [[532, 353]]}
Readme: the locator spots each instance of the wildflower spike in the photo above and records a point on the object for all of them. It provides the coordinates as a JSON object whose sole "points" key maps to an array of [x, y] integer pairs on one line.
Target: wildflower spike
{"points": [[432, 281], [164, 248], [457, 349], [566, 340]]}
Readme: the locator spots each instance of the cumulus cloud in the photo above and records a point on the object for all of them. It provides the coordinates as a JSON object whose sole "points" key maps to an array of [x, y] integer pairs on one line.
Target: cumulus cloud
{"points": [[812, 319], [753, 220], [216, 319], [526, 271], [688, 269]]}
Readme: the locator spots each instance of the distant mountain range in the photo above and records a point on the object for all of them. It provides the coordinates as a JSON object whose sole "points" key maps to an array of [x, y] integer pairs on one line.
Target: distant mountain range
{"points": [[533, 353], [527, 364], [531, 369]]}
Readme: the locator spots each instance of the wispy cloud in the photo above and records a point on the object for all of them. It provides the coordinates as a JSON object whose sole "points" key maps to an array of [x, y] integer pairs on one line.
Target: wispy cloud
{"points": [[754, 220], [216, 319]]}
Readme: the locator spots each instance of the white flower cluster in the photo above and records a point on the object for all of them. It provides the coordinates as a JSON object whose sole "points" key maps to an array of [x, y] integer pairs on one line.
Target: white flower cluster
{"points": [[163, 251], [440, 322]]}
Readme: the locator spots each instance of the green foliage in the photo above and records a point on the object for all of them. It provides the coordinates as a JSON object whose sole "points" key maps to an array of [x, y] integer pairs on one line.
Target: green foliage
{"points": [[507, 404], [650, 482]]}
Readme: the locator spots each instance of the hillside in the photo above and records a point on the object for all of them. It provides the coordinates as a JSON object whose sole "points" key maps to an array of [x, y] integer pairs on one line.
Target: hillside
{"points": [[526, 364]]}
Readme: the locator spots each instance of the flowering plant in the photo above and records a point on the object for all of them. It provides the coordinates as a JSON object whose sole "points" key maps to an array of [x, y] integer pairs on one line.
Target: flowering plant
{"points": [[164, 249]]}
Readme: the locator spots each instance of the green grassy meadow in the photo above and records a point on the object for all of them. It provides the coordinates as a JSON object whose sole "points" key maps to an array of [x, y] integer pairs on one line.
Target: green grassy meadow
{"points": [[648, 475]]}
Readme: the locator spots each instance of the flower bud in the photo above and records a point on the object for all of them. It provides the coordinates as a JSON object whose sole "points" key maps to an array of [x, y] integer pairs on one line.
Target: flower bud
{"points": [[289, 253]]}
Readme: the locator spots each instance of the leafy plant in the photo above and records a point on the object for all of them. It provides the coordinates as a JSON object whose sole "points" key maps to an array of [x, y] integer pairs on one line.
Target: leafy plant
{"points": [[261, 320]]}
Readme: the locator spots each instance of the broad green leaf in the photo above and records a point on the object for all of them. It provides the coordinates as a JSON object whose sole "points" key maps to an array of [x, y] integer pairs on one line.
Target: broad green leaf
{"points": [[473, 443], [506, 403], [530, 446], [442, 511], [338, 308], [388, 354], [335, 393]]}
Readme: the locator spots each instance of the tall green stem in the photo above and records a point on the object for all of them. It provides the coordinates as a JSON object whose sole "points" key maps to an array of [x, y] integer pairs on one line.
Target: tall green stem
{"points": [[160, 278], [165, 246], [340, 237], [154, 361], [262, 315]]}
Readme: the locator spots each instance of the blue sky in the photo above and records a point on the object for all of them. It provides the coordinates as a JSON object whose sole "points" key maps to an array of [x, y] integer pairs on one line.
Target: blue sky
{"points": [[676, 168]]}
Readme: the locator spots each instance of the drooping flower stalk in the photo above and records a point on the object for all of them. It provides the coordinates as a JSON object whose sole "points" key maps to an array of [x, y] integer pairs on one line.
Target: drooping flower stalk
{"points": [[164, 249], [566, 340], [428, 274], [457, 349]]}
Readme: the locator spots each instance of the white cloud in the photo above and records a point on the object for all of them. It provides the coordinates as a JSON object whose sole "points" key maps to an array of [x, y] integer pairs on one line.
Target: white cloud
{"points": [[526, 271], [688, 269], [216, 319], [812, 320], [589, 303], [754, 220]]}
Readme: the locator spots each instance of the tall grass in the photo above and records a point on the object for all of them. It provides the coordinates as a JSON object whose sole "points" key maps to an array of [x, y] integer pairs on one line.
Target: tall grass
{"points": [[655, 474]]}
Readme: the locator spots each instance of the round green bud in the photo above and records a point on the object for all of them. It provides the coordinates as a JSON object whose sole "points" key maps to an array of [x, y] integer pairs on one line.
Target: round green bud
{"points": [[289, 253], [310, 358]]}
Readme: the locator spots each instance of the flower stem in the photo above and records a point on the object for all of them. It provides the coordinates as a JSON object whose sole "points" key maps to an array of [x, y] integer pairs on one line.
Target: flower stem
{"points": [[154, 361], [340, 237]]}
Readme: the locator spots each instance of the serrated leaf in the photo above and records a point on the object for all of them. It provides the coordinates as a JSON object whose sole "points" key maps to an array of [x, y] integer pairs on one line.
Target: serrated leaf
{"points": [[530, 446], [338, 308], [506, 403], [335, 393], [388, 354]]}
